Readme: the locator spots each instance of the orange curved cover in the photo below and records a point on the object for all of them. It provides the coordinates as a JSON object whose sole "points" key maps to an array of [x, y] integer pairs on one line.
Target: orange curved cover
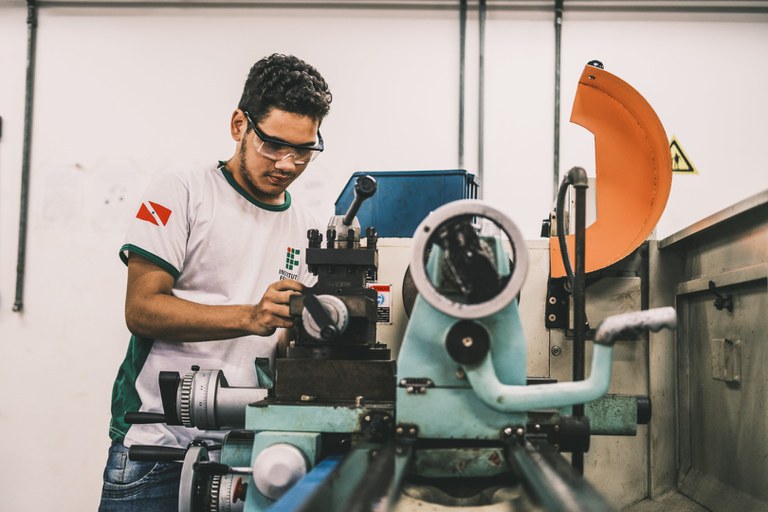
{"points": [[633, 166]]}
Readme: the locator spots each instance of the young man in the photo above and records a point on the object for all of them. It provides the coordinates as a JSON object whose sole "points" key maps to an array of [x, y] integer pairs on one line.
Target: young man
{"points": [[213, 257]]}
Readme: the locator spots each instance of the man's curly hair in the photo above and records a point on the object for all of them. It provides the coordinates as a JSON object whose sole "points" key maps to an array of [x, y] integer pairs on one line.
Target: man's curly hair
{"points": [[287, 83]]}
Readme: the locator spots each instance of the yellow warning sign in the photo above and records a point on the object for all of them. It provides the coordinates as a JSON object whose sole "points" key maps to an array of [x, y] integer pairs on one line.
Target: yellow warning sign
{"points": [[680, 162]]}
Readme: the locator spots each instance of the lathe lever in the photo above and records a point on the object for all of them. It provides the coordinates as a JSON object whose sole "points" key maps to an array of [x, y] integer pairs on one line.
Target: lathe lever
{"points": [[365, 187], [142, 418], [217, 468], [511, 398], [630, 324], [146, 453], [328, 330]]}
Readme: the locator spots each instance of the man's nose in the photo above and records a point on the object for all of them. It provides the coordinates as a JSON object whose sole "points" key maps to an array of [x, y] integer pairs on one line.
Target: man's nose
{"points": [[286, 163]]}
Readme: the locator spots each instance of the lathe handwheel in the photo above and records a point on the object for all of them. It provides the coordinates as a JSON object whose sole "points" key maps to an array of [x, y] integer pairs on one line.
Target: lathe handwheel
{"points": [[423, 240]]}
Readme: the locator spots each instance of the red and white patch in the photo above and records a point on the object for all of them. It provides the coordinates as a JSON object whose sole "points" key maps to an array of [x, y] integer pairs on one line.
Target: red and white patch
{"points": [[154, 213]]}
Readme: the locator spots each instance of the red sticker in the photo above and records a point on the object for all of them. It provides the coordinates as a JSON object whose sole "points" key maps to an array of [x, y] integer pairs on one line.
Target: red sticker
{"points": [[154, 213]]}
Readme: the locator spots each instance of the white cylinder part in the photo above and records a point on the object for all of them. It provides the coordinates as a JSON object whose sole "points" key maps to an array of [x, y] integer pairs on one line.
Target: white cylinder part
{"points": [[277, 468]]}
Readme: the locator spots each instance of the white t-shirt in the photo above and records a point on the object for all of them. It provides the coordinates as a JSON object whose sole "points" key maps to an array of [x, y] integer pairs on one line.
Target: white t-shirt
{"points": [[222, 247]]}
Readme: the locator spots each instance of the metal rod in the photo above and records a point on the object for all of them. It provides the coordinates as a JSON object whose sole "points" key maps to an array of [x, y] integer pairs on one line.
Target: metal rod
{"points": [[558, 51], [579, 319], [481, 100], [404, 450], [378, 477], [462, 67], [579, 316], [552, 482], [18, 304], [645, 304]]}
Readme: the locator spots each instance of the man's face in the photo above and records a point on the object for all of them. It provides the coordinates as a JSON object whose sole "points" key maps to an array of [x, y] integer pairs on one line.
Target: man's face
{"points": [[266, 179]]}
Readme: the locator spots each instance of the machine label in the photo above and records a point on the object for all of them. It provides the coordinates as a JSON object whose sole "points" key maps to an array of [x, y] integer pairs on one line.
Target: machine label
{"points": [[680, 161], [384, 301]]}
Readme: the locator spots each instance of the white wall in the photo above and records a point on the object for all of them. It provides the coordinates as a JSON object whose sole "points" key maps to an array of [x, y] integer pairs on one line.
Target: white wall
{"points": [[124, 93], [705, 76]]}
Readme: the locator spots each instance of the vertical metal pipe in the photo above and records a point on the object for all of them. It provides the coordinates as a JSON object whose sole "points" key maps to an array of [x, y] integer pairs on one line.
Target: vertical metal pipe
{"points": [[645, 304], [481, 100], [18, 304], [558, 46], [462, 67], [579, 314], [579, 320]]}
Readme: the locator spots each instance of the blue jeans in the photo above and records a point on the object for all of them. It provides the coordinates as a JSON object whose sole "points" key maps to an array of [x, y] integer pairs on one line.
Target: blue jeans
{"points": [[131, 486]]}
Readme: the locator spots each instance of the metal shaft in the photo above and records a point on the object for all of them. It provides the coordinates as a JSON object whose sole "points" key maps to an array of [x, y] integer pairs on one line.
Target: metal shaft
{"points": [[462, 66], [579, 315], [18, 303], [558, 47], [552, 482], [481, 100]]}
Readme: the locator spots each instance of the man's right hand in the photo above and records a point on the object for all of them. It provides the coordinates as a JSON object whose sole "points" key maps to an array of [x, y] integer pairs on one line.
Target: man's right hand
{"points": [[272, 311]]}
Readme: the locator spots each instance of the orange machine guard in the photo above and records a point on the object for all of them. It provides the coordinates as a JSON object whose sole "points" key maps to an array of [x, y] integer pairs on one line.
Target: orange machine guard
{"points": [[633, 166]]}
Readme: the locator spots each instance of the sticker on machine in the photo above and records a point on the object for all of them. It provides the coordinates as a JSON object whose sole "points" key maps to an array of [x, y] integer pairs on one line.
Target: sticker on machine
{"points": [[384, 302], [681, 164]]}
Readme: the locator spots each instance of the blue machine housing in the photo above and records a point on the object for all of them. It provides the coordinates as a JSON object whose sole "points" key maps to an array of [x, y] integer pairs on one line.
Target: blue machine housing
{"points": [[404, 198]]}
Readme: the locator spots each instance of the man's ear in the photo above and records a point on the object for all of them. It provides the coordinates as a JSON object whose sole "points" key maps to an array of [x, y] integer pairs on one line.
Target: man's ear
{"points": [[238, 125]]}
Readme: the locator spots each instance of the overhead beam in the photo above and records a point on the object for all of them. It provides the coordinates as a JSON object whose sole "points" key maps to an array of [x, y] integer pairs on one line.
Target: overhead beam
{"points": [[687, 6]]}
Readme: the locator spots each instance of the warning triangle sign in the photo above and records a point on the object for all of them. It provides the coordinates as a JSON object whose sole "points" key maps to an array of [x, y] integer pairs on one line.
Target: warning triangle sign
{"points": [[680, 161]]}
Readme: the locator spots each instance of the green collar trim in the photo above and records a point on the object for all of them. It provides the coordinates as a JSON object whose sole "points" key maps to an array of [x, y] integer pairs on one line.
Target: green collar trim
{"points": [[240, 190]]}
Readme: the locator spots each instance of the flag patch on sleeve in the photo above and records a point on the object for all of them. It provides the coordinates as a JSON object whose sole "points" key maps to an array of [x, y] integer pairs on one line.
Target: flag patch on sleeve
{"points": [[154, 213]]}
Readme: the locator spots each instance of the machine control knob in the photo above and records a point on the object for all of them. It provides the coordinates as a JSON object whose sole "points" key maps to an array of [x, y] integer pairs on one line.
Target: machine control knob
{"points": [[277, 468], [467, 342], [335, 321], [227, 494], [195, 402]]}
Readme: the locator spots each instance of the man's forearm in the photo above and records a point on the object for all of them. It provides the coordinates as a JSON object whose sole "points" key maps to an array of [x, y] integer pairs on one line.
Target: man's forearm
{"points": [[170, 318]]}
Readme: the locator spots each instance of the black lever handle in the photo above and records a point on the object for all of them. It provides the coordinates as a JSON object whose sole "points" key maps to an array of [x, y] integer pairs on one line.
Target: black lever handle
{"points": [[169, 384], [211, 468], [146, 453], [142, 418], [328, 331], [365, 187]]}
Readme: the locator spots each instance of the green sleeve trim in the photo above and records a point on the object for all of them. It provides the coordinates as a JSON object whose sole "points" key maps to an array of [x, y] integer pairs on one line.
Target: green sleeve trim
{"points": [[160, 262], [240, 190]]}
